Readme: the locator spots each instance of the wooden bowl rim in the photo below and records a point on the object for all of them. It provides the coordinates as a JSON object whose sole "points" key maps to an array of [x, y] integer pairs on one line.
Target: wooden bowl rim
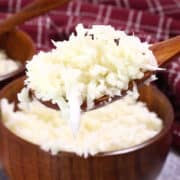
{"points": [[21, 68], [166, 129]]}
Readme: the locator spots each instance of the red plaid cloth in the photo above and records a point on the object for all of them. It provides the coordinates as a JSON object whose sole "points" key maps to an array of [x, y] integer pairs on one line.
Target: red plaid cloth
{"points": [[151, 20]]}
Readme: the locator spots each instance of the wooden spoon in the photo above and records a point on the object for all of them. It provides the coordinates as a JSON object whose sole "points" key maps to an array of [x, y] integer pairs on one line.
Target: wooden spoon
{"points": [[163, 51], [32, 10]]}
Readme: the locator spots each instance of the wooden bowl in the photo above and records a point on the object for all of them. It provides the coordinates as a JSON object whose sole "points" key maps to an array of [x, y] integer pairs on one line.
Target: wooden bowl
{"points": [[19, 46], [22, 160]]}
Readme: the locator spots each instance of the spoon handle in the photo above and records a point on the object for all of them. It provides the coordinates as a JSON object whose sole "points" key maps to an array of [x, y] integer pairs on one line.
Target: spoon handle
{"points": [[165, 50], [36, 8]]}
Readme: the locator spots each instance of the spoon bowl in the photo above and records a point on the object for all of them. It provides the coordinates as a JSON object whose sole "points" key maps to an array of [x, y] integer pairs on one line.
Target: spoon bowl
{"points": [[18, 45]]}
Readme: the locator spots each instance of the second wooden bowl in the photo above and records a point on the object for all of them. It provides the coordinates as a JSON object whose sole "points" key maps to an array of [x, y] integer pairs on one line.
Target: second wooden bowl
{"points": [[22, 160], [19, 46]]}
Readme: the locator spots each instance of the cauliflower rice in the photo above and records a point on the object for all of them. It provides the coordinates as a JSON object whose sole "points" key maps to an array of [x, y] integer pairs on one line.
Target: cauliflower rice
{"points": [[94, 62], [121, 124]]}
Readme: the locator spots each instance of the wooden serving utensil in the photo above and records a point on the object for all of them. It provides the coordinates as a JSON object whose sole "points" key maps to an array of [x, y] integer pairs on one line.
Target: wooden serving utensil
{"points": [[163, 51], [34, 9]]}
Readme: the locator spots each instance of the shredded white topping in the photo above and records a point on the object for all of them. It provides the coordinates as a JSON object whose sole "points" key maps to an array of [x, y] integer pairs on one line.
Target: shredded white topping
{"points": [[121, 124], [92, 63], [7, 65]]}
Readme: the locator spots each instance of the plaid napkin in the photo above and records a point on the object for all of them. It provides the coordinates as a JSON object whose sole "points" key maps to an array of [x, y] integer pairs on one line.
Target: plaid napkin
{"points": [[151, 20]]}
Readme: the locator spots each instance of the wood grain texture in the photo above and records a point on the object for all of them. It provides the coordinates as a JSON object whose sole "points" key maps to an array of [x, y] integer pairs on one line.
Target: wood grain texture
{"points": [[34, 9], [25, 161], [165, 50]]}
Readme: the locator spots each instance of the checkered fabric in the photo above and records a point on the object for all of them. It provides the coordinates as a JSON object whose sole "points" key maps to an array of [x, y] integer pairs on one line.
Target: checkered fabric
{"points": [[151, 20]]}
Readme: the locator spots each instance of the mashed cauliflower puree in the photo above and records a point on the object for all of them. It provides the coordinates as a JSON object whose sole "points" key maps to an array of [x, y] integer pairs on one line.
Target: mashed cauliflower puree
{"points": [[92, 63], [7, 65], [118, 125]]}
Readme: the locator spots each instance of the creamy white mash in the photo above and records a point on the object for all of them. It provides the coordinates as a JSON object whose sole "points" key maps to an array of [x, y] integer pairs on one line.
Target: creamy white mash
{"points": [[121, 124], [92, 63], [7, 65]]}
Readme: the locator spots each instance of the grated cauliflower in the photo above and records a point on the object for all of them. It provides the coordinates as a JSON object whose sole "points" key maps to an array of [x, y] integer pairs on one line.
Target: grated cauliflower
{"points": [[92, 63], [121, 124]]}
